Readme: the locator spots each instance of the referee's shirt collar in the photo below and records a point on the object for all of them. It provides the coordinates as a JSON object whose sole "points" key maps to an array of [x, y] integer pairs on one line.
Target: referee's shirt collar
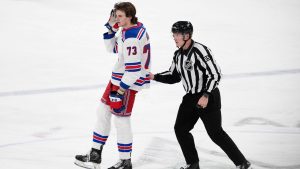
{"points": [[186, 51]]}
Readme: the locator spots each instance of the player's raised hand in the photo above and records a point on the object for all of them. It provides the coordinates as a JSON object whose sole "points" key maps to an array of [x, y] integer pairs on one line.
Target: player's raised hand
{"points": [[112, 22]]}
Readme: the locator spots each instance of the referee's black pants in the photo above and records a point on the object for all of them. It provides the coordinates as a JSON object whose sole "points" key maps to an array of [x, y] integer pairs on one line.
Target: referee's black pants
{"points": [[188, 115]]}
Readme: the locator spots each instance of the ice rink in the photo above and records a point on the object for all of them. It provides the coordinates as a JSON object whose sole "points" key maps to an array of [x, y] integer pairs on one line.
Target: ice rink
{"points": [[54, 67]]}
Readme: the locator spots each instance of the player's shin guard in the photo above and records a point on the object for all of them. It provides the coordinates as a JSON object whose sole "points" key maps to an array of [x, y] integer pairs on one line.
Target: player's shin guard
{"points": [[102, 127], [124, 136]]}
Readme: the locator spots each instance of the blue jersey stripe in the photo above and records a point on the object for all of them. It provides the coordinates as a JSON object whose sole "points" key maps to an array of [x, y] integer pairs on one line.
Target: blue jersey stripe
{"points": [[119, 144], [125, 151], [133, 70], [97, 141], [116, 78], [142, 34], [133, 63], [100, 135]]}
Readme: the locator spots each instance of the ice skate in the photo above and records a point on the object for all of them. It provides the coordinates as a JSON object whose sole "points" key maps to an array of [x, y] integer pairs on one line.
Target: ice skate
{"points": [[91, 160], [122, 164], [191, 166], [245, 165]]}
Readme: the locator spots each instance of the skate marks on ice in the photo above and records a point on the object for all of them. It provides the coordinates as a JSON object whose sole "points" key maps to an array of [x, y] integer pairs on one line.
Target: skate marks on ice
{"points": [[51, 90], [257, 121], [44, 134], [163, 153], [222, 156], [39, 141], [261, 74], [97, 86], [159, 154]]}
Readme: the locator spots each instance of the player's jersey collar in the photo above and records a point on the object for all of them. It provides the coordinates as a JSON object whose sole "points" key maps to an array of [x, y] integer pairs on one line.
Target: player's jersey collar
{"points": [[139, 24]]}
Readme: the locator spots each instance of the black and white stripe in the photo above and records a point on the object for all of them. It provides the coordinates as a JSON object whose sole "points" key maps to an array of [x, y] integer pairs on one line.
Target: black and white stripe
{"points": [[203, 76]]}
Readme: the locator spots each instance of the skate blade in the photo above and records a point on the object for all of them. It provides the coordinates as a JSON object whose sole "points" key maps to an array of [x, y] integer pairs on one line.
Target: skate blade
{"points": [[88, 165]]}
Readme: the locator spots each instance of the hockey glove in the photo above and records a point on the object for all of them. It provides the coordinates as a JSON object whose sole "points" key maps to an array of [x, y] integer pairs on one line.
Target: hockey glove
{"points": [[116, 101], [112, 22]]}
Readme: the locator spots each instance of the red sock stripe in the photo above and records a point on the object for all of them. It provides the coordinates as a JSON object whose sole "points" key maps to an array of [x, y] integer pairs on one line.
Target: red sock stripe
{"points": [[99, 138], [124, 147]]}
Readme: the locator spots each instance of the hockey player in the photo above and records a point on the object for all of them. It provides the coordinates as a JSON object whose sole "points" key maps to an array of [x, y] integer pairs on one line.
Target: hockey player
{"points": [[194, 65], [129, 75]]}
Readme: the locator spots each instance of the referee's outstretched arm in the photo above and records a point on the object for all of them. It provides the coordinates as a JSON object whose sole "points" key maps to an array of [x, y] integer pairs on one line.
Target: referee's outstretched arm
{"points": [[170, 77]]}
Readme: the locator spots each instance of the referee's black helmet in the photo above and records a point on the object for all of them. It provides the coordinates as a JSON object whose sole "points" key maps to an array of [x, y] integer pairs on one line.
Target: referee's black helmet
{"points": [[184, 27]]}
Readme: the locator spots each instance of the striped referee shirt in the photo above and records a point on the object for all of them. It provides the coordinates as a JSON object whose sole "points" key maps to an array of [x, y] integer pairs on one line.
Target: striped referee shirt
{"points": [[195, 67]]}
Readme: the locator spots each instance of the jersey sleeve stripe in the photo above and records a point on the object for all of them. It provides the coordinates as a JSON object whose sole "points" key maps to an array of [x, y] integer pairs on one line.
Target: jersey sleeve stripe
{"points": [[108, 36], [133, 63], [140, 34]]}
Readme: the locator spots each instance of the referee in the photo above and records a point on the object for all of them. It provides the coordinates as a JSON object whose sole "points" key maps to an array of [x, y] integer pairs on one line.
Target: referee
{"points": [[194, 65]]}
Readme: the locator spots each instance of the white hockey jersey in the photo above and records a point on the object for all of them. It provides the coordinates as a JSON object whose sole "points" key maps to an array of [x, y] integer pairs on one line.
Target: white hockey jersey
{"points": [[133, 66]]}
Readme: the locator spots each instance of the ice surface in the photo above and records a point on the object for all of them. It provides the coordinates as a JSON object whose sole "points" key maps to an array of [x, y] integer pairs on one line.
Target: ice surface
{"points": [[53, 69]]}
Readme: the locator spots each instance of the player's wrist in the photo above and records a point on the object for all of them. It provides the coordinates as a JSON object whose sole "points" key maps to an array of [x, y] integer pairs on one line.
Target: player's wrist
{"points": [[110, 28]]}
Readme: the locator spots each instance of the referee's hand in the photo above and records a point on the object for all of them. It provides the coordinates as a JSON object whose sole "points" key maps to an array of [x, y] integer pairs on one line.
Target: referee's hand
{"points": [[202, 102], [151, 76]]}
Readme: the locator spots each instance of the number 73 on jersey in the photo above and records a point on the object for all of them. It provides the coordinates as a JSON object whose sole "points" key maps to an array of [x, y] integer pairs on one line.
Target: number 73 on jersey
{"points": [[132, 50]]}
